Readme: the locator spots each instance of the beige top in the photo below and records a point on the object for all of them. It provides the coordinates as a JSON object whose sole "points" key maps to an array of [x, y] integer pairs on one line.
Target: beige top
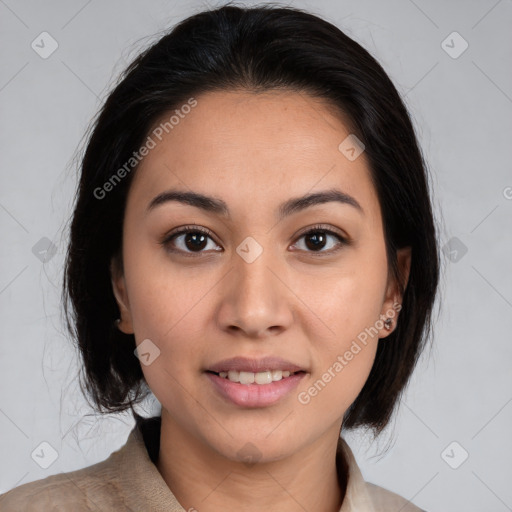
{"points": [[128, 480]]}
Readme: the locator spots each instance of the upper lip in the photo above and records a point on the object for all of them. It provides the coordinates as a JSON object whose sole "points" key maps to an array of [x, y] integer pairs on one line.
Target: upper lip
{"points": [[244, 364]]}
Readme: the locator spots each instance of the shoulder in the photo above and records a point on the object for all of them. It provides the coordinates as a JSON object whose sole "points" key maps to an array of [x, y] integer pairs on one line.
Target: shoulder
{"points": [[92, 488], [123, 481], [385, 500]]}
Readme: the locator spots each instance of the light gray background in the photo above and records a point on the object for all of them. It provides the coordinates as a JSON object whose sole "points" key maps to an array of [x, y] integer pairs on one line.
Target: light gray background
{"points": [[462, 109]]}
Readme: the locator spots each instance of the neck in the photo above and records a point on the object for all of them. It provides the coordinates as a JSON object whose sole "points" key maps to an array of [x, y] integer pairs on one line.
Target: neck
{"points": [[204, 480]]}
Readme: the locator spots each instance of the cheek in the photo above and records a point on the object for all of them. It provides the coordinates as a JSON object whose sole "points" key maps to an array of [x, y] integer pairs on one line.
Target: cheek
{"points": [[345, 356], [169, 311], [168, 302], [347, 298], [160, 292], [335, 387], [170, 317], [349, 304]]}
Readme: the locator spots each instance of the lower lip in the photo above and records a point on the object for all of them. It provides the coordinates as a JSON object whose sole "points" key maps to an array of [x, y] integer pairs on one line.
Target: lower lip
{"points": [[255, 395]]}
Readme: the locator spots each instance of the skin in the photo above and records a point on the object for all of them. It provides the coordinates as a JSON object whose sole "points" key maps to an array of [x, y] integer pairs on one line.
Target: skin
{"points": [[254, 151]]}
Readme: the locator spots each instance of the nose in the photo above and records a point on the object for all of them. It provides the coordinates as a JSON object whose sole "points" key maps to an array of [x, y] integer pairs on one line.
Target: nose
{"points": [[255, 300]]}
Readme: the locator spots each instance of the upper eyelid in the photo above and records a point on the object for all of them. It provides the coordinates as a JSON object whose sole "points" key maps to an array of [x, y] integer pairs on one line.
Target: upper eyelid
{"points": [[186, 229], [321, 227]]}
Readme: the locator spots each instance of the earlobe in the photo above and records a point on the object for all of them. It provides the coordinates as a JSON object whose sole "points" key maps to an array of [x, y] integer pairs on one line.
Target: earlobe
{"points": [[124, 324]]}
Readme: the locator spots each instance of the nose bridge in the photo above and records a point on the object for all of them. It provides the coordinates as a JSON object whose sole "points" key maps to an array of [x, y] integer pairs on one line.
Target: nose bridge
{"points": [[256, 299], [254, 280]]}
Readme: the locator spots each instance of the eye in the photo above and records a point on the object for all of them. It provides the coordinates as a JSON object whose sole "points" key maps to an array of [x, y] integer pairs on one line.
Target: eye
{"points": [[193, 240], [317, 238], [189, 240]]}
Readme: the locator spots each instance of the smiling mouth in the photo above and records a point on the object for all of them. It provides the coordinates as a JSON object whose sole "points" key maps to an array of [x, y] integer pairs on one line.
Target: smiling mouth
{"points": [[265, 377]]}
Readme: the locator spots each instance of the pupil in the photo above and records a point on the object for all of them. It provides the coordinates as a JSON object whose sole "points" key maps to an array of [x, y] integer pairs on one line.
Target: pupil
{"points": [[318, 240], [195, 241]]}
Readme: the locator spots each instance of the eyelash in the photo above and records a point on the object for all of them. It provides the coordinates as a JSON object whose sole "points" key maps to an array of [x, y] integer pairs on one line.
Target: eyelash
{"points": [[195, 229]]}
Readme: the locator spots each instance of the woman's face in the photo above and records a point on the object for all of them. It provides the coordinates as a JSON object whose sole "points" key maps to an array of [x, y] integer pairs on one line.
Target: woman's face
{"points": [[255, 286]]}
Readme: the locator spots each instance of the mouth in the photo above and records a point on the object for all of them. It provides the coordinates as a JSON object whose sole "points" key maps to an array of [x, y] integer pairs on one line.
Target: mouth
{"points": [[250, 382], [260, 378], [255, 390]]}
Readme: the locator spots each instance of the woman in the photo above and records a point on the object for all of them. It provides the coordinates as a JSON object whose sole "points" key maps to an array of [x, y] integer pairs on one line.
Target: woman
{"points": [[253, 243]]}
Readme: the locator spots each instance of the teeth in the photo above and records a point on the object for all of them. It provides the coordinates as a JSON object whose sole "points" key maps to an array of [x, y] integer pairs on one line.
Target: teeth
{"points": [[243, 377], [255, 378], [277, 375]]}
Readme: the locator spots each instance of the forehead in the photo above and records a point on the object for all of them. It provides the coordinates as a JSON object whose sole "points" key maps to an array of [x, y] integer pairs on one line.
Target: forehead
{"points": [[253, 147]]}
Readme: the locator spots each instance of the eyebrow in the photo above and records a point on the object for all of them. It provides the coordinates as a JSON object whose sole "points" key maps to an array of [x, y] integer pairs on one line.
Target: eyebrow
{"points": [[219, 207]]}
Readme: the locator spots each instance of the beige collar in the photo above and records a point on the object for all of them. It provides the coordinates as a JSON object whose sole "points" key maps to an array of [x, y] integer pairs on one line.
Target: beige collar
{"points": [[357, 498]]}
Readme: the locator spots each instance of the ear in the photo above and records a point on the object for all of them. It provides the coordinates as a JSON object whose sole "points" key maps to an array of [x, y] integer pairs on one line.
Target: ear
{"points": [[121, 295], [394, 296]]}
